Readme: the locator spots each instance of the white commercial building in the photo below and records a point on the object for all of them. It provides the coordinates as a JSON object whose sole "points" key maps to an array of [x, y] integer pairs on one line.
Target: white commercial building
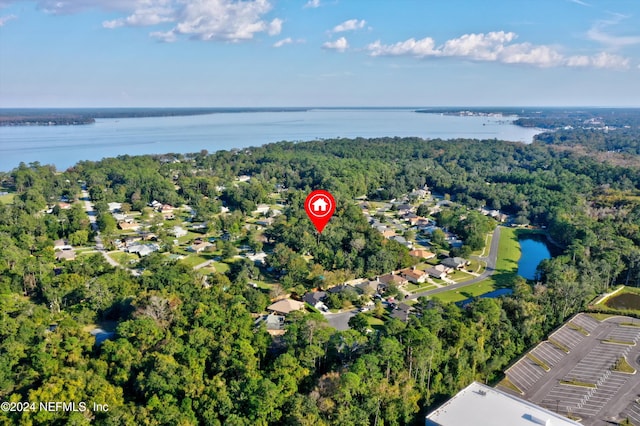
{"points": [[481, 405]]}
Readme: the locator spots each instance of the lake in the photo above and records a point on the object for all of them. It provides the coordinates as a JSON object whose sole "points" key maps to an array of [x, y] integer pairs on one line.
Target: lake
{"points": [[63, 146], [534, 249]]}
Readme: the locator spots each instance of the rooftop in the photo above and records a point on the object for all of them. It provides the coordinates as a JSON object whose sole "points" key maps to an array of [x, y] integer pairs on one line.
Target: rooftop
{"points": [[481, 405]]}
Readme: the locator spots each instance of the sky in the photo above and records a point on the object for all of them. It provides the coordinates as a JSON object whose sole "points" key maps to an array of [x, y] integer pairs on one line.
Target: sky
{"points": [[261, 53]]}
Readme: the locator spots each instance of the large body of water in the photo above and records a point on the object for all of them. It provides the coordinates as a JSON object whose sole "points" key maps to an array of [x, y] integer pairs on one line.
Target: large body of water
{"points": [[64, 146]]}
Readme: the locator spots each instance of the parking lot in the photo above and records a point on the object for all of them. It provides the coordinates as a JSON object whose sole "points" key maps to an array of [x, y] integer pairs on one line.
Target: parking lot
{"points": [[573, 372]]}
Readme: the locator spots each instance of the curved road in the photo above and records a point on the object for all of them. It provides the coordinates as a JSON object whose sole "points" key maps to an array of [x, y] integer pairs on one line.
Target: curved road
{"points": [[489, 270]]}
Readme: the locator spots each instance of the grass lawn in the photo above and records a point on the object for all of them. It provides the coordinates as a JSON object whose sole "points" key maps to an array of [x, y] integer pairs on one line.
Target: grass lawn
{"points": [[476, 266], [122, 258], [506, 270], [414, 288], [193, 260], [6, 199], [375, 323], [484, 251], [190, 236], [472, 290], [221, 267], [459, 276]]}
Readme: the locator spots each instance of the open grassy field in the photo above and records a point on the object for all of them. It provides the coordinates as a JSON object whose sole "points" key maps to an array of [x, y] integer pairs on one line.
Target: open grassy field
{"points": [[122, 258], [6, 199], [472, 290], [506, 270]]}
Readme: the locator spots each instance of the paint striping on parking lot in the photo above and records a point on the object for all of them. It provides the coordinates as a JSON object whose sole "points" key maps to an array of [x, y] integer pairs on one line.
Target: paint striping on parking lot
{"points": [[583, 383]]}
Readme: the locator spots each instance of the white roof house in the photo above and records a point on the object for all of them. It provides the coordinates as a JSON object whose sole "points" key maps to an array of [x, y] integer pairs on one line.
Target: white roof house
{"points": [[481, 405]]}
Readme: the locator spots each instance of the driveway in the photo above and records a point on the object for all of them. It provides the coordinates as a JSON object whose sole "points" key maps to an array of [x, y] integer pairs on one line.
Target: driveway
{"points": [[340, 320]]}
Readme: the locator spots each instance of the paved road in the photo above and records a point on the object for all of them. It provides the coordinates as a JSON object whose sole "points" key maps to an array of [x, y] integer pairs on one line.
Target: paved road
{"points": [[340, 320], [94, 225], [489, 270]]}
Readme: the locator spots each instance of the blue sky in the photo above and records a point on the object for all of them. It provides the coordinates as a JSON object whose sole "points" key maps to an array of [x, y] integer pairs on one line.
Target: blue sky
{"points": [[70, 53]]}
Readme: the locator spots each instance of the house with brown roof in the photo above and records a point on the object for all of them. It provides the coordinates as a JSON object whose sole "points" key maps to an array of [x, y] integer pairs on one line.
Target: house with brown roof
{"points": [[388, 233], [65, 255], [285, 306], [392, 278], [422, 254], [127, 226], [414, 275]]}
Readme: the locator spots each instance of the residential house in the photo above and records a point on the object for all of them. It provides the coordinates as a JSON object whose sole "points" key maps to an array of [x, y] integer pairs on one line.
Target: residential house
{"points": [[285, 306], [129, 226], [436, 272], [61, 245], [143, 250], [258, 258], [342, 288], [370, 287], [388, 233], [119, 217], [261, 209], [166, 209], [315, 299], [274, 323], [414, 275], [404, 209], [114, 207], [178, 231], [455, 262], [64, 206], [199, 247], [402, 312], [243, 178], [402, 240], [392, 278], [422, 254], [266, 221], [65, 255]]}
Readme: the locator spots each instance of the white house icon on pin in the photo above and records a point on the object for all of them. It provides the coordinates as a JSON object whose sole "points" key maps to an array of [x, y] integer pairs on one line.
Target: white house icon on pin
{"points": [[320, 205]]}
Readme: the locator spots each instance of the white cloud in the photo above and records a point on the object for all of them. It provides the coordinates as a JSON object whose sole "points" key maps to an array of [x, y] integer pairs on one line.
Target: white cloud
{"points": [[275, 27], [340, 45], [602, 60], [288, 40], [529, 54], [312, 4], [225, 20], [6, 18], [412, 47], [142, 17], [350, 25], [166, 37], [482, 47], [282, 42], [599, 34], [580, 2], [495, 47]]}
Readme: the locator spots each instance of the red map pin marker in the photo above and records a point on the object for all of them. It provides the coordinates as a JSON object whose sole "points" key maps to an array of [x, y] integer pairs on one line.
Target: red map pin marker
{"points": [[320, 206]]}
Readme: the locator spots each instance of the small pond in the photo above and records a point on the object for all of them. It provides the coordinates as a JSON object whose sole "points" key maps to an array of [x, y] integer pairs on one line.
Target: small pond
{"points": [[534, 249], [102, 335], [624, 301]]}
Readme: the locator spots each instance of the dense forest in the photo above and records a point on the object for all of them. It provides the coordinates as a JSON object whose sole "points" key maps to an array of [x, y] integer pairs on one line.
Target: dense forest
{"points": [[186, 348]]}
